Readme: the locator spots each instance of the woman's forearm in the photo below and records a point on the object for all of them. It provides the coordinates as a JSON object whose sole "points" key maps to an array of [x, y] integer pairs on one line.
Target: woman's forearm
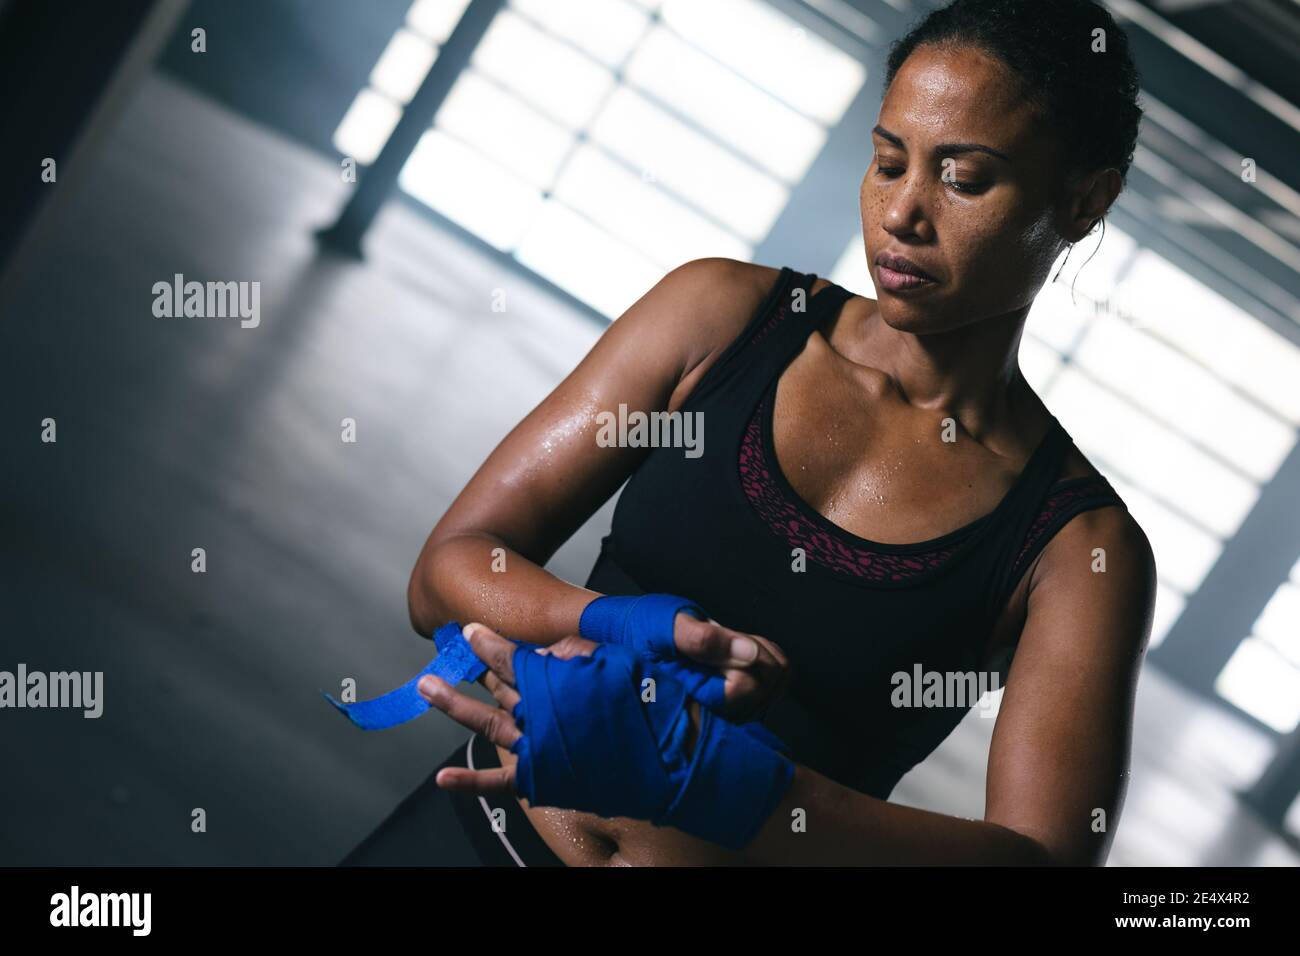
{"points": [[822, 823], [476, 577]]}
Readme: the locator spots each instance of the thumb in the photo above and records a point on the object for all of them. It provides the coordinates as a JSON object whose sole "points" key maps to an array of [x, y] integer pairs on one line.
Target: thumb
{"points": [[708, 642]]}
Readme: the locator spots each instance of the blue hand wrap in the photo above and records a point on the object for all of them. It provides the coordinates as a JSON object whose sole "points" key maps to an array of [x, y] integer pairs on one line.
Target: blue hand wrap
{"points": [[591, 743], [456, 661], [644, 623]]}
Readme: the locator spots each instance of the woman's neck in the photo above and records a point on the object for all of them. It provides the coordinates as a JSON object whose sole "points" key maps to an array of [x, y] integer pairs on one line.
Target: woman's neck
{"points": [[970, 373]]}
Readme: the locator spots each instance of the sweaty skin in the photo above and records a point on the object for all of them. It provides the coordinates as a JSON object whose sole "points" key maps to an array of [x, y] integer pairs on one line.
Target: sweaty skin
{"points": [[855, 425]]}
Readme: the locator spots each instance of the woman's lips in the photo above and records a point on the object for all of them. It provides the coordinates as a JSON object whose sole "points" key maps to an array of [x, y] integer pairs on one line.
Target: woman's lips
{"points": [[900, 281]]}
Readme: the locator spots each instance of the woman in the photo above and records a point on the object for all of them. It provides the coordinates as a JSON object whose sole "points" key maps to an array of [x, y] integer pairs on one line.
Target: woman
{"points": [[881, 497]]}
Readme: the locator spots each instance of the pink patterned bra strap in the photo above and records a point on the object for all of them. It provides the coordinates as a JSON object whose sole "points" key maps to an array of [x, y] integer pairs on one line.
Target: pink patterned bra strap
{"points": [[1068, 497]]}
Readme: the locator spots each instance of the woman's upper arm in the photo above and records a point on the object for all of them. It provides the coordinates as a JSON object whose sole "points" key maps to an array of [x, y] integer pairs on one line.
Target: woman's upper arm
{"points": [[1058, 762], [548, 475]]}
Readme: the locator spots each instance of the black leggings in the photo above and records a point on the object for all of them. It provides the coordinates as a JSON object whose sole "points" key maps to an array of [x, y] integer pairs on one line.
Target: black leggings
{"points": [[436, 827]]}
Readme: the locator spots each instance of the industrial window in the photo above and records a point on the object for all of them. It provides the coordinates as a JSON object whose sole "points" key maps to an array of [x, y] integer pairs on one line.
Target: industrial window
{"points": [[577, 140], [396, 76], [1263, 675]]}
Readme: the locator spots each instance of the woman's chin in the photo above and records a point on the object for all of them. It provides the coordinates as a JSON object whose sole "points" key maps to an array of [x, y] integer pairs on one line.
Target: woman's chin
{"points": [[913, 320]]}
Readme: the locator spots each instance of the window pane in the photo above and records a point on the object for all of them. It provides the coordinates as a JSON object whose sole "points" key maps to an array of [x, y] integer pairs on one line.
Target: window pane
{"points": [[1095, 281], [690, 165], [1182, 393], [753, 122], [1210, 328], [1279, 623], [496, 122], [469, 189], [551, 75], [435, 19], [1038, 363], [1259, 681], [640, 214], [773, 51], [1053, 319], [607, 29], [1169, 607], [402, 66], [366, 126], [1165, 464], [578, 256]]}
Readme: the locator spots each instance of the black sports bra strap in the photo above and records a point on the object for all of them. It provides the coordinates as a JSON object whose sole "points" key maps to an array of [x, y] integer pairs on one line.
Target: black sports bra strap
{"points": [[827, 300], [744, 351], [1033, 488]]}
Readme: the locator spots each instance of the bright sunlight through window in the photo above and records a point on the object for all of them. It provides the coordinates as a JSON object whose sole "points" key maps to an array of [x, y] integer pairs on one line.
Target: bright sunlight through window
{"points": [[576, 139]]}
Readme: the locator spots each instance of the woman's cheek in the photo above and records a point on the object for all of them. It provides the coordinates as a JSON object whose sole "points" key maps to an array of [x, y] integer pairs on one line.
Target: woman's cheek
{"points": [[1039, 246], [871, 204]]}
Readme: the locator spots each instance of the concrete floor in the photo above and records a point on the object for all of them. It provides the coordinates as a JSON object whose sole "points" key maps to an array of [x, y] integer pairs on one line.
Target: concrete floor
{"points": [[182, 433]]}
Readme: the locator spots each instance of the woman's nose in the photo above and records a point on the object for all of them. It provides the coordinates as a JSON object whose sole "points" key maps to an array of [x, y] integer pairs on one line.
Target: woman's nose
{"points": [[905, 211]]}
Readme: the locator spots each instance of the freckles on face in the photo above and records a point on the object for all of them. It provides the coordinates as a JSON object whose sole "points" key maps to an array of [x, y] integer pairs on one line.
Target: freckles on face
{"points": [[959, 95]]}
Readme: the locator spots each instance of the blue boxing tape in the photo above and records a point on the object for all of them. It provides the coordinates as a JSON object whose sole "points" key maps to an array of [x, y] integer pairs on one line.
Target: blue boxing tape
{"points": [[635, 761], [456, 662], [644, 624]]}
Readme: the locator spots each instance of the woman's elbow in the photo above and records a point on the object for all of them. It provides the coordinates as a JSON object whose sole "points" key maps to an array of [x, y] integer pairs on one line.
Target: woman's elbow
{"points": [[420, 604]]}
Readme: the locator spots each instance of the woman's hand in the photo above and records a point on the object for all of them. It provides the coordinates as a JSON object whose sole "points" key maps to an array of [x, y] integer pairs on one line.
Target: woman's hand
{"points": [[495, 723], [734, 674], [602, 728], [755, 669]]}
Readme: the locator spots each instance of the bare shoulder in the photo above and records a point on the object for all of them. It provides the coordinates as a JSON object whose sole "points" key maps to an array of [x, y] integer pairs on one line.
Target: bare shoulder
{"points": [[1111, 526], [717, 279], [1097, 527], [714, 298], [702, 306], [1101, 560], [1113, 522]]}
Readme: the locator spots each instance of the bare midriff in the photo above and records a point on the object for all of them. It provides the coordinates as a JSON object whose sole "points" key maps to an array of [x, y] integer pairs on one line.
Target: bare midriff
{"points": [[584, 839]]}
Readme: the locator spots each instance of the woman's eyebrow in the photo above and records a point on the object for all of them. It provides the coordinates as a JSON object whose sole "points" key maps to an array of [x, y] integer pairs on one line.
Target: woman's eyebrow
{"points": [[945, 149]]}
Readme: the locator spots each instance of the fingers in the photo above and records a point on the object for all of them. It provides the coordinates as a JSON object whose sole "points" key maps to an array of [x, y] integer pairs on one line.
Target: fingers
{"points": [[571, 646], [492, 649], [491, 722], [708, 642], [776, 666], [774, 649], [755, 670], [496, 780], [498, 653], [505, 695]]}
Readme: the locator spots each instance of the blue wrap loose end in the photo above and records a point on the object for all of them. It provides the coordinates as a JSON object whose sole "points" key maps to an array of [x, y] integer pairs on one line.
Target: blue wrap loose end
{"points": [[456, 662]]}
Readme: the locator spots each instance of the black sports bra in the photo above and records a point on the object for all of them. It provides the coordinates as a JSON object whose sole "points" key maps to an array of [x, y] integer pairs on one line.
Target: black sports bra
{"points": [[723, 528]]}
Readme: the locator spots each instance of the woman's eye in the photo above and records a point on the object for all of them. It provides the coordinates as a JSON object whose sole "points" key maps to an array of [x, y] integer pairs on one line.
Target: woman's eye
{"points": [[969, 188]]}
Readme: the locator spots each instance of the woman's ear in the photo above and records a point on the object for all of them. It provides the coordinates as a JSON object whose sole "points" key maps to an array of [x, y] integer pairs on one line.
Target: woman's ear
{"points": [[1091, 198]]}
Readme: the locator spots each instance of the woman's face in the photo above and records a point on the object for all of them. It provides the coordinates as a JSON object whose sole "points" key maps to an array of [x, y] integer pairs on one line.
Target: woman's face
{"points": [[989, 235]]}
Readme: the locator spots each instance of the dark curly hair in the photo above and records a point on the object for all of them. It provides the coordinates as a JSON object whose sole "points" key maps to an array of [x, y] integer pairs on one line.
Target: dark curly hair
{"points": [[1089, 98]]}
